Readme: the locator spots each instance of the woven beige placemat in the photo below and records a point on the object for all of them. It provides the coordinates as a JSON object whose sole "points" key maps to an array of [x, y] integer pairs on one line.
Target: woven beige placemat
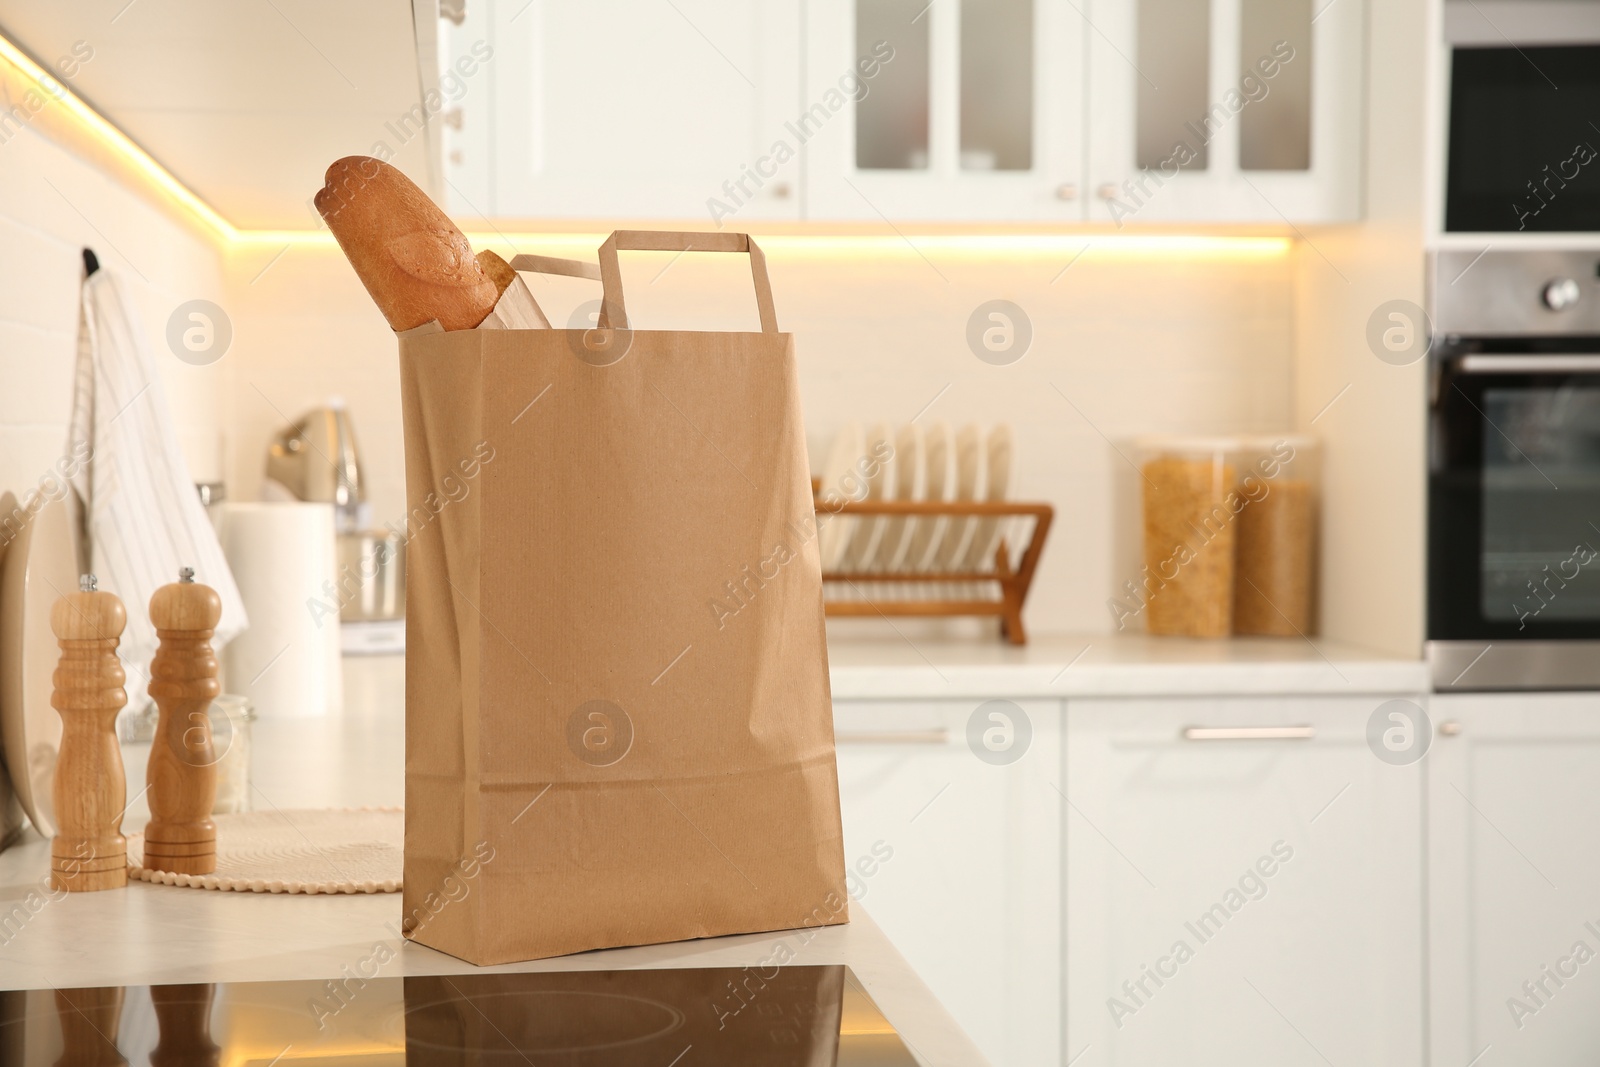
{"points": [[357, 850]]}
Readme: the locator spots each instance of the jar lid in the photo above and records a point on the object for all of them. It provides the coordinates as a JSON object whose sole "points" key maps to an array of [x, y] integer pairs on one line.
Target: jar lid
{"points": [[1297, 441], [1198, 444], [1189, 445], [235, 706]]}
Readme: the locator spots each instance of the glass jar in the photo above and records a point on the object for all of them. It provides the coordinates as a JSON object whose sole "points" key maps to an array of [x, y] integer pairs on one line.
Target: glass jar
{"points": [[1186, 584], [1276, 566], [231, 718], [1229, 535]]}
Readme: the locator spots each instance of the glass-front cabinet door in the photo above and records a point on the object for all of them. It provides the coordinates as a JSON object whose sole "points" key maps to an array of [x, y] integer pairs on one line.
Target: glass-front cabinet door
{"points": [[1224, 110], [950, 110]]}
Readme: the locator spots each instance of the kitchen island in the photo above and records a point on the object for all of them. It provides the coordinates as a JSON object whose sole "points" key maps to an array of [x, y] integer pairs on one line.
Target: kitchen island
{"points": [[978, 862], [163, 935]]}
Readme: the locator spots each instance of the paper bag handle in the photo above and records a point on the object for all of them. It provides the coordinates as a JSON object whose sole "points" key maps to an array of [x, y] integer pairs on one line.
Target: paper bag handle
{"points": [[612, 309], [525, 263], [572, 268]]}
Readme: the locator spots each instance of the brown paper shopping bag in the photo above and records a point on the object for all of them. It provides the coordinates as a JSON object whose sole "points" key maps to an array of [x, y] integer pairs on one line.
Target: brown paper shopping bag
{"points": [[618, 722]]}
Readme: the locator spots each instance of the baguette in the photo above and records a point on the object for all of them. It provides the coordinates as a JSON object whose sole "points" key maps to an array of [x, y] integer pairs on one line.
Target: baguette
{"points": [[496, 270], [416, 265]]}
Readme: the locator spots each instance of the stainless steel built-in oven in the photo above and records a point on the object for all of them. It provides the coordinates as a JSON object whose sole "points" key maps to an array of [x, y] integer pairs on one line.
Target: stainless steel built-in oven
{"points": [[1514, 470], [1523, 130]]}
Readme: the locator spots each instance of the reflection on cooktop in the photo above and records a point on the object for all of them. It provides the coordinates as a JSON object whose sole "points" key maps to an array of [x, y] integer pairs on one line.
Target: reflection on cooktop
{"points": [[702, 1017]]}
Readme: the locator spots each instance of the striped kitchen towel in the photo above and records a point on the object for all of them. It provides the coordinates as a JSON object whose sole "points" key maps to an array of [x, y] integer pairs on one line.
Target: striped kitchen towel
{"points": [[142, 515]]}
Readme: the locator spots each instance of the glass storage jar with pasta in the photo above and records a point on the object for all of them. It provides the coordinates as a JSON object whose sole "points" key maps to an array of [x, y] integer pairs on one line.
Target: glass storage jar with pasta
{"points": [[1275, 569], [1189, 533], [1229, 528]]}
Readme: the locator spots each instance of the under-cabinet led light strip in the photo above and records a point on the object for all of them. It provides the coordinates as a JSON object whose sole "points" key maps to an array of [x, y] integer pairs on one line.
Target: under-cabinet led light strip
{"points": [[164, 184]]}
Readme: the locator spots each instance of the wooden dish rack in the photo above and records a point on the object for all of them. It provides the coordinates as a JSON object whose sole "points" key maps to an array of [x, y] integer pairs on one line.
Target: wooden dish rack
{"points": [[1011, 582]]}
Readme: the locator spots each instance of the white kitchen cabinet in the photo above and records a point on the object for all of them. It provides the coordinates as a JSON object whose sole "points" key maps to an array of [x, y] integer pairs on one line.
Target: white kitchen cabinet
{"points": [[904, 111], [1287, 868], [613, 109], [958, 860], [1185, 126], [974, 112], [1514, 878]]}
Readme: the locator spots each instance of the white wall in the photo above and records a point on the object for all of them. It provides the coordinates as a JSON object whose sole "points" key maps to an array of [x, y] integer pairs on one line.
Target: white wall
{"points": [[52, 205], [1140, 343], [1375, 488]]}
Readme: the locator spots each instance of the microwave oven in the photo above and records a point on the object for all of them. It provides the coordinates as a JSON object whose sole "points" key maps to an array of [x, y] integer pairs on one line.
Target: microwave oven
{"points": [[1522, 131]]}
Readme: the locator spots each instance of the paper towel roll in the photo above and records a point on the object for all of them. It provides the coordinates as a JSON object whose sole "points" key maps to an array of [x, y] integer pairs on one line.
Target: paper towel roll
{"points": [[281, 554]]}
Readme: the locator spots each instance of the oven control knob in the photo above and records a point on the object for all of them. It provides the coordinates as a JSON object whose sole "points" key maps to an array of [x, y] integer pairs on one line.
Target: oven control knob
{"points": [[1560, 294]]}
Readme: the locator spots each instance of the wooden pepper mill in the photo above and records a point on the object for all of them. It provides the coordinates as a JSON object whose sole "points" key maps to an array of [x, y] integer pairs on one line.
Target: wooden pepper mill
{"points": [[90, 790], [181, 838]]}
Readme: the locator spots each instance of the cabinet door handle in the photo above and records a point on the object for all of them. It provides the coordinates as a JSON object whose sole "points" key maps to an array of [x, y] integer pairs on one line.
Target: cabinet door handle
{"points": [[1249, 733], [1107, 191], [892, 737]]}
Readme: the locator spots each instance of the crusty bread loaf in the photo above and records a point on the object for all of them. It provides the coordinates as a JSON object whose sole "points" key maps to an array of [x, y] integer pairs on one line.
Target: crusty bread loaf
{"points": [[496, 270], [414, 262]]}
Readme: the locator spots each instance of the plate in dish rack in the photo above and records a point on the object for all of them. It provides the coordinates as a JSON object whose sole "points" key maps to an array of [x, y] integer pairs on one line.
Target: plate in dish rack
{"points": [[346, 851], [971, 468], [910, 483], [840, 483], [1000, 478], [880, 486]]}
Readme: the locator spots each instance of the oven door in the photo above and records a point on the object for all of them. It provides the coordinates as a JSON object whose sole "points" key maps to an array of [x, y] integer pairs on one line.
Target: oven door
{"points": [[1514, 516], [1524, 147]]}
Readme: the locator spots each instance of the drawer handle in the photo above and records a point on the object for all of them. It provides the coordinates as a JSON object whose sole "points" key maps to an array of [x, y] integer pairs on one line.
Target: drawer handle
{"points": [[1249, 733], [892, 737]]}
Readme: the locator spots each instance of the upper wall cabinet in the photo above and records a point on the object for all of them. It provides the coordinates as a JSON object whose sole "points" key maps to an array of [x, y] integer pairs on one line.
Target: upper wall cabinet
{"points": [[614, 108], [950, 110], [1225, 110], [1040, 111]]}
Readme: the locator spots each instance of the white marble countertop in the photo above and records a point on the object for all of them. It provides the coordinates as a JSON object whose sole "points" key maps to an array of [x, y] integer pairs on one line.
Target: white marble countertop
{"points": [[150, 934], [893, 666]]}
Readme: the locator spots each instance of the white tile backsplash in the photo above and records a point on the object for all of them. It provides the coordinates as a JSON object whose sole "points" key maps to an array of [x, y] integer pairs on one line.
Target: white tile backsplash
{"points": [[1137, 343], [52, 205]]}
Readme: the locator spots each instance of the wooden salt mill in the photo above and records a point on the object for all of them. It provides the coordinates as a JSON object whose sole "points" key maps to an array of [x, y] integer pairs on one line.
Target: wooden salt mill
{"points": [[90, 791], [181, 838], [183, 1015], [90, 1021]]}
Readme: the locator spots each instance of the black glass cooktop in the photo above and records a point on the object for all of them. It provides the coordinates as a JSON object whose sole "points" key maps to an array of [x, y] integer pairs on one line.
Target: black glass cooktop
{"points": [[711, 1017]]}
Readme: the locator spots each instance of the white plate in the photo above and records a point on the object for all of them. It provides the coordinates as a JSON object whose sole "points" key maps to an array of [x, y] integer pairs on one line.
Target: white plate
{"points": [[840, 482], [910, 482], [970, 468], [40, 565], [939, 484], [879, 468], [11, 817], [1000, 453]]}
